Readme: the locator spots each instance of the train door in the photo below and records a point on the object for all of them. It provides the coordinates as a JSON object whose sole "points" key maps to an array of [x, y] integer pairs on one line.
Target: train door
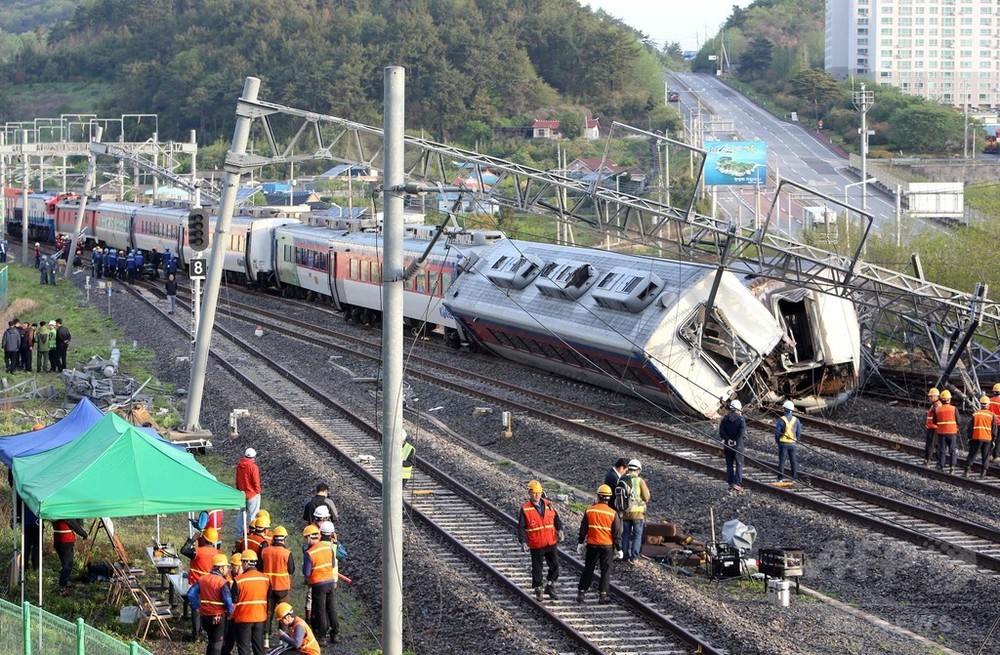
{"points": [[131, 228], [331, 272]]}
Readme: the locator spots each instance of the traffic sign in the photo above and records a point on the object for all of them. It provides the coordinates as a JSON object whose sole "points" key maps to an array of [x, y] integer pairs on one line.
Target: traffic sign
{"points": [[199, 268]]}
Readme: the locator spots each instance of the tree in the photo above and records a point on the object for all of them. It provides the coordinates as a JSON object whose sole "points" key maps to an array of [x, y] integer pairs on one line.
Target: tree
{"points": [[570, 123], [757, 57], [927, 128], [817, 87]]}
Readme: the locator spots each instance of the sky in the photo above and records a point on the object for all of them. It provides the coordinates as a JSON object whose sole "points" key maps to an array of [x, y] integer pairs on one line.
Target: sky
{"points": [[666, 21]]}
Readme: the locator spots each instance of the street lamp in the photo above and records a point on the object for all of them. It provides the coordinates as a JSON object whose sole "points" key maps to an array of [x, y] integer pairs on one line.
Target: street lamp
{"points": [[863, 101]]}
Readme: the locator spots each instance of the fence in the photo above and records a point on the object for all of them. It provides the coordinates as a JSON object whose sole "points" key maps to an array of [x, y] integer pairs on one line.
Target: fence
{"points": [[4, 286], [30, 630]]}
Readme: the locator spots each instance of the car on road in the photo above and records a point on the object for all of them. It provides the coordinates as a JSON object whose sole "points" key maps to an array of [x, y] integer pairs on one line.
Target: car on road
{"points": [[673, 96]]}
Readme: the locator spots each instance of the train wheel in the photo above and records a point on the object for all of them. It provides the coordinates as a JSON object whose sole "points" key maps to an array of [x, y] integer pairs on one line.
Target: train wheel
{"points": [[452, 339]]}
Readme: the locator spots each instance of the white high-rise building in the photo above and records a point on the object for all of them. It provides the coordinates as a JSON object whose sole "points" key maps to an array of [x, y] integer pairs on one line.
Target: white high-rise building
{"points": [[944, 50]]}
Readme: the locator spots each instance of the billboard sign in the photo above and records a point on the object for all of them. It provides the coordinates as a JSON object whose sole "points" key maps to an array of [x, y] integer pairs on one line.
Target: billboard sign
{"points": [[736, 163]]}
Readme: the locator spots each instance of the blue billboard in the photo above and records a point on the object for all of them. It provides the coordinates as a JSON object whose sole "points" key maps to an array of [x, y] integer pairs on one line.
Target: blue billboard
{"points": [[736, 162]]}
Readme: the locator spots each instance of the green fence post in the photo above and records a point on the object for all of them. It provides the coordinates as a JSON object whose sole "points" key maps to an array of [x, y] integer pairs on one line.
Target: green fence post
{"points": [[81, 649], [26, 626], [133, 649]]}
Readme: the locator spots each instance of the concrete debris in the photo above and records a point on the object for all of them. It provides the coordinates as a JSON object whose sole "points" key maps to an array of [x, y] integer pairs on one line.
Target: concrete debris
{"points": [[25, 390]]}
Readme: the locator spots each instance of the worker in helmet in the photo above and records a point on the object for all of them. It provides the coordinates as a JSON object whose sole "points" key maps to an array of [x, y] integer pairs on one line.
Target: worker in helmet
{"points": [[732, 431], [787, 433], [202, 553], [946, 422], [278, 564], [319, 567], [930, 439], [995, 409], [295, 633], [539, 530], [250, 600], [211, 598], [600, 530], [982, 434], [409, 456]]}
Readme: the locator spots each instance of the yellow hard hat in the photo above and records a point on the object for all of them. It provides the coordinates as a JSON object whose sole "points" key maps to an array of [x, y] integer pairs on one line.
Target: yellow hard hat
{"points": [[282, 610], [280, 531], [211, 535], [604, 490], [220, 560], [984, 401], [252, 524], [263, 518], [235, 559], [535, 487], [945, 395], [310, 529], [934, 391], [249, 556], [996, 387]]}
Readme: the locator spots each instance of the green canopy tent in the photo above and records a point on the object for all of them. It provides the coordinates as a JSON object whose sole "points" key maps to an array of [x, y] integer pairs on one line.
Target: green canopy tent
{"points": [[116, 469]]}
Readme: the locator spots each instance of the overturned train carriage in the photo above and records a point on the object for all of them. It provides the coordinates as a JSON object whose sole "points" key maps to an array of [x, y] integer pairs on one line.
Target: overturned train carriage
{"points": [[635, 324]]}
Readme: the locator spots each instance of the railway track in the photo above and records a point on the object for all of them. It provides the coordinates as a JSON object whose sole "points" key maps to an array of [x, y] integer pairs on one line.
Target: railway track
{"points": [[928, 527], [475, 531]]}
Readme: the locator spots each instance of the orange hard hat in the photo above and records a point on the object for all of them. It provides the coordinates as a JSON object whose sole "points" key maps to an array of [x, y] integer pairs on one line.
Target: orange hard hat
{"points": [[37, 426]]}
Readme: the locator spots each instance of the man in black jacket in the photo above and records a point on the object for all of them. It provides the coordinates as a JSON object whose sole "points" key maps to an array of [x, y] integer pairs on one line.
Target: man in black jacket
{"points": [[63, 338], [732, 431], [11, 346], [171, 289], [322, 497]]}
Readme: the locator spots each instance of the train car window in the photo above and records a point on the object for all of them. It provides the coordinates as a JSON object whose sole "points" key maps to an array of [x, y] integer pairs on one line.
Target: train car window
{"points": [[408, 284], [435, 286], [366, 270], [421, 282], [445, 282], [354, 269]]}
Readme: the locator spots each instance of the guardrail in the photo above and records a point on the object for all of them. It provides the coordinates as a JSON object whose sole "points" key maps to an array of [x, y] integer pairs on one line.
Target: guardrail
{"points": [[28, 629]]}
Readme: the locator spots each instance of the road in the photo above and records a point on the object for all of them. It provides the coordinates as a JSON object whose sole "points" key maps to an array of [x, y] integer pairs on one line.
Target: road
{"points": [[793, 154]]}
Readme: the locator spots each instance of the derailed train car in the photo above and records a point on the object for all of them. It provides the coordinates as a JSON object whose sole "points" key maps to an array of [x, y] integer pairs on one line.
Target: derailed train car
{"points": [[644, 325]]}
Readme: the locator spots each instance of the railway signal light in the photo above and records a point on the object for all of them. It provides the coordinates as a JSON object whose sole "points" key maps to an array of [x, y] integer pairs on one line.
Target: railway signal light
{"points": [[197, 230]]}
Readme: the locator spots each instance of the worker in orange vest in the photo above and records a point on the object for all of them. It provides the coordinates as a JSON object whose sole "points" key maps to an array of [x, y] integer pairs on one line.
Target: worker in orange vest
{"points": [[982, 433], [540, 530], [930, 440], [64, 533], [294, 632], [278, 564], [946, 420], [995, 408], [319, 566], [600, 530], [202, 555], [211, 597], [250, 613]]}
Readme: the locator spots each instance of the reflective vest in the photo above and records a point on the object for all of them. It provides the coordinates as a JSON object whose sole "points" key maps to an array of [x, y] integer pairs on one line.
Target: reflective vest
{"points": [[931, 425], [982, 425], [251, 598], [274, 563], [309, 645], [540, 530], [201, 563], [407, 453], [210, 595], [788, 436], [324, 563], [946, 419], [995, 405], [62, 533], [256, 542], [600, 518]]}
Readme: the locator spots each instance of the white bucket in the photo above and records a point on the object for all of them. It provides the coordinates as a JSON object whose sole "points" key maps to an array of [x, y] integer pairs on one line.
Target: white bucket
{"points": [[779, 592]]}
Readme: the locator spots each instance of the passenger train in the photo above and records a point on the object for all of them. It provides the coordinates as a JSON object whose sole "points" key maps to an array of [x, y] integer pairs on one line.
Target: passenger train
{"points": [[635, 324]]}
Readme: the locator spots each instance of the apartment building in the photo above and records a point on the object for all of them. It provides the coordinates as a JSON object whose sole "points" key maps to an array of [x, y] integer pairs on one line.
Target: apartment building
{"points": [[944, 50]]}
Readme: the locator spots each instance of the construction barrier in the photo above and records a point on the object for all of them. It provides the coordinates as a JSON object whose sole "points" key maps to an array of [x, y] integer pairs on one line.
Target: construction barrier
{"points": [[28, 630]]}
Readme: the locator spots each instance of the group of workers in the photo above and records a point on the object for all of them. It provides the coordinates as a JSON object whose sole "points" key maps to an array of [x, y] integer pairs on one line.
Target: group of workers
{"points": [[942, 431], [45, 343], [236, 599], [733, 430], [129, 266]]}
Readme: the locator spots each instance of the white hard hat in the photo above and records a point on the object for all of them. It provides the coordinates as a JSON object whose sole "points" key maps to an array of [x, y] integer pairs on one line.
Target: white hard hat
{"points": [[37, 244], [326, 527], [321, 512], [250, 452], [736, 405], [635, 464], [789, 405]]}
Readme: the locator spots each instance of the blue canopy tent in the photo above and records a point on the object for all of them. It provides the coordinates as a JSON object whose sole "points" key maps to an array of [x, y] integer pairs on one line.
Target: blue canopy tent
{"points": [[83, 417]]}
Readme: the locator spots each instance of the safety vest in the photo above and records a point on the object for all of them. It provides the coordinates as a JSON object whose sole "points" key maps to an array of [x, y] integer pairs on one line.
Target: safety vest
{"points": [[982, 425], [788, 436], [256, 542], [946, 419], [274, 563], [931, 425], [309, 645], [324, 563], [210, 595], [62, 533], [995, 405], [540, 530], [407, 451], [201, 563], [600, 518], [251, 598]]}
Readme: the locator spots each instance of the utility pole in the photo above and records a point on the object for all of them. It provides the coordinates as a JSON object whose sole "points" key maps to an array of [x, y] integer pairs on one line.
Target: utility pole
{"points": [[863, 101]]}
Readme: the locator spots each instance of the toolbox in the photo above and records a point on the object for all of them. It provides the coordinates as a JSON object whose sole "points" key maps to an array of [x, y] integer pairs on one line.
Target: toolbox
{"points": [[782, 563]]}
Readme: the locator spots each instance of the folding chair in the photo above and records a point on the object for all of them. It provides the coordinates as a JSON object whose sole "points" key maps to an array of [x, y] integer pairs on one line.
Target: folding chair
{"points": [[152, 610], [122, 581]]}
